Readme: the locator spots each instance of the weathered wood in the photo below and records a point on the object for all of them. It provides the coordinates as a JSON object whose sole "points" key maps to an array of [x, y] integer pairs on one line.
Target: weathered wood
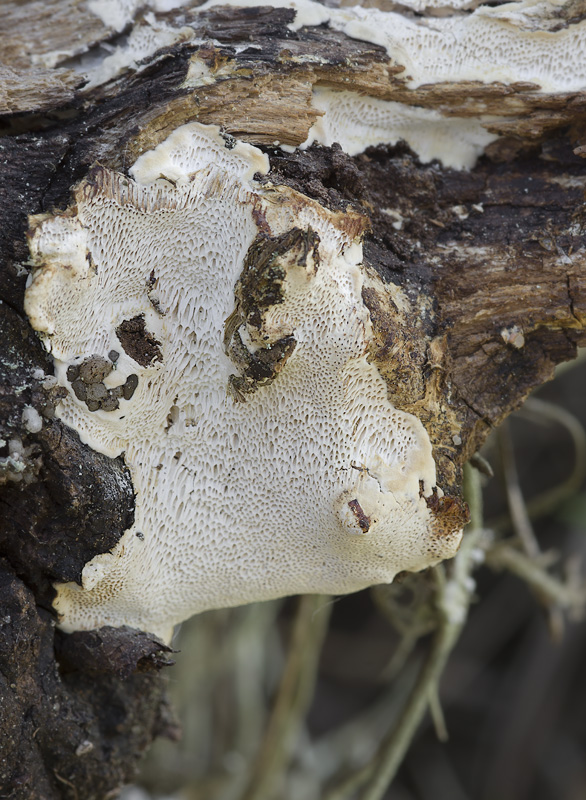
{"points": [[475, 296], [481, 253]]}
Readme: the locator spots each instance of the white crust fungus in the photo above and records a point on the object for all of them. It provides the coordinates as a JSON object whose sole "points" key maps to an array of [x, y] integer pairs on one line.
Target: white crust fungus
{"points": [[509, 43], [459, 42], [213, 331], [115, 13], [146, 37], [356, 122]]}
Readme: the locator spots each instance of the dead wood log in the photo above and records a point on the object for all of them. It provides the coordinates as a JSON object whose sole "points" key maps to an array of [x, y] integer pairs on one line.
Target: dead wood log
{"points": [[477, 290]]}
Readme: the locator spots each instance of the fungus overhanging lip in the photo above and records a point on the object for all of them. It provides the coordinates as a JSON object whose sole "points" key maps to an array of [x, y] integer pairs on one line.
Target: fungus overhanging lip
{"points": [[241, 447]]}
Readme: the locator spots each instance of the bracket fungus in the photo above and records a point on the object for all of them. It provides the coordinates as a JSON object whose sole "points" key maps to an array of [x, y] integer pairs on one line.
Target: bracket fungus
{"points": [[212, 329]]}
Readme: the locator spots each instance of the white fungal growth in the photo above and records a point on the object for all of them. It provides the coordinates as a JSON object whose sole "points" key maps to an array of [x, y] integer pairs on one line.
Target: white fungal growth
{"points": [[153, 299], [356, 122], [508, 43], [31, 419], [520, 44], [115, 13], [511, 42], [146, 37]]}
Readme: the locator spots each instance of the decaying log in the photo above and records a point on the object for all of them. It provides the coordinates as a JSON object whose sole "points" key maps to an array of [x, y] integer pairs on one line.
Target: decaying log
{"points": [[476, 290]]}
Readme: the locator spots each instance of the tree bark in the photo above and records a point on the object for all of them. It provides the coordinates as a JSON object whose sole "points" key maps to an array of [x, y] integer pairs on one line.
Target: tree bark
{"points": [[474, 298]]}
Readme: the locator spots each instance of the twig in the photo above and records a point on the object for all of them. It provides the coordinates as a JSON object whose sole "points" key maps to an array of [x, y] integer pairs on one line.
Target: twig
{"points": [[437, 713], [67, 783], [250, 653], [400, 656], [352, 783], [413, 623], [453, 601], [570, 596], [550, 500], [293, 696], [472, 488], [547, 502], [337, 751], [515, 501], [529, 569]]}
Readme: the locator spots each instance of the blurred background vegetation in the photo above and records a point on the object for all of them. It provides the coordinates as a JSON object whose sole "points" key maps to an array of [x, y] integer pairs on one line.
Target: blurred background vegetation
{"points": [[321, 698]]}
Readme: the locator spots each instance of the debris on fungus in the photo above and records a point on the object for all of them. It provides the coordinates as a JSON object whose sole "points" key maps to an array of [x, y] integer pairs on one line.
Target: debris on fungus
{"points": [[265, 455]]}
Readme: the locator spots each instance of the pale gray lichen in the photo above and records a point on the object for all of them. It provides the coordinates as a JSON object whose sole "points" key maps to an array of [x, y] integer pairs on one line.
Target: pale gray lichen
{"points": [[264, 453]]}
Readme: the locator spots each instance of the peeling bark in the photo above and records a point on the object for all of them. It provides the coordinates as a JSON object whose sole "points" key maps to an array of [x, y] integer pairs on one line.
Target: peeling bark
{"points": [[476, 290]]}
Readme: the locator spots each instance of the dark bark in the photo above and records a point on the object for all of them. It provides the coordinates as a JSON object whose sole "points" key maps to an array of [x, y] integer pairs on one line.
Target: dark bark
{"points": [[504, 266], [65, 732], [507, 263], [70, 734]]}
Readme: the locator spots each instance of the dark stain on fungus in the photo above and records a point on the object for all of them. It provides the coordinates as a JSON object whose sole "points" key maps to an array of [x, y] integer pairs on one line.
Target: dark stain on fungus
{"points": [[259, 287], [137, 342], [265, 267], [361, 518]]}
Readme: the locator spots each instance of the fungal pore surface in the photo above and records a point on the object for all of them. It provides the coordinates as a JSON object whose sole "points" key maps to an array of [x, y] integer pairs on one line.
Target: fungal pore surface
{"points": [[212, 330]]}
